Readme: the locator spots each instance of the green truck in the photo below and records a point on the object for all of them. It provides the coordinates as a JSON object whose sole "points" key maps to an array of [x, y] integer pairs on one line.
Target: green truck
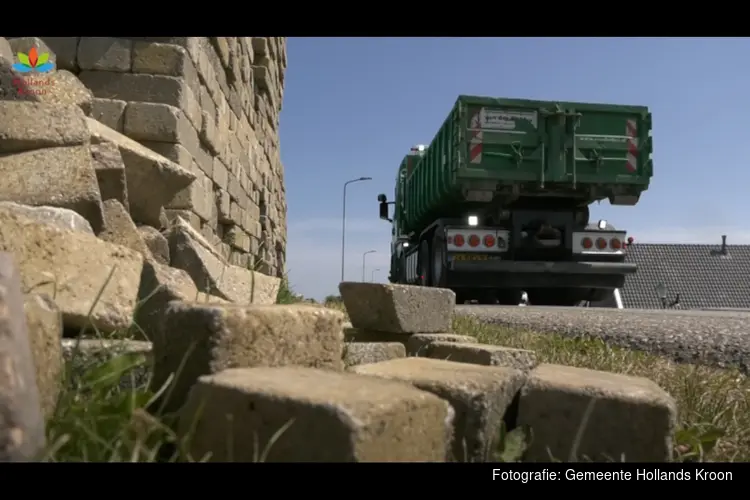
{"points": [[497, 206]]}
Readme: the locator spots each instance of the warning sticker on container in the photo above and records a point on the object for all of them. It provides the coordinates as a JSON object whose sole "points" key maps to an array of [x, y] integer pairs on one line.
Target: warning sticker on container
{"points": [[506, 119]]}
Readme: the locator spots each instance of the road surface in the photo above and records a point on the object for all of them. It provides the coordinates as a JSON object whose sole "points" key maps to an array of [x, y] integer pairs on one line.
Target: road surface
{"points": [[710, 337]]}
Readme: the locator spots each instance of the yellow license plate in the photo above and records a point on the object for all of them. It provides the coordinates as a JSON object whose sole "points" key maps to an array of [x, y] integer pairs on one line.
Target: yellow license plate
{"points": [[470, 256]]}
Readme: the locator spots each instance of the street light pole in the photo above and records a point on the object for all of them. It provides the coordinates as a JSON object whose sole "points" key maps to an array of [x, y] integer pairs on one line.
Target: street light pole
{"points": [[343, 222], [372, 276], [363, 263]]}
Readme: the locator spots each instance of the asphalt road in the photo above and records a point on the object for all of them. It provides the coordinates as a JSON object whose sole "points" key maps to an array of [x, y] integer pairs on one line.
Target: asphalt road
{"points": [[710, 337]]}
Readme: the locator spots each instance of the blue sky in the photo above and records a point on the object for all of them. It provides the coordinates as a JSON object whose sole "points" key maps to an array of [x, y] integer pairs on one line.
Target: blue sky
{"points": [[354, 106]]}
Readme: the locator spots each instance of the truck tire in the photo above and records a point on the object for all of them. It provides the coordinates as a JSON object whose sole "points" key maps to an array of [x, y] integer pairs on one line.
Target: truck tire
{"points": [[401, 275], [424, 264], [437, 262]]}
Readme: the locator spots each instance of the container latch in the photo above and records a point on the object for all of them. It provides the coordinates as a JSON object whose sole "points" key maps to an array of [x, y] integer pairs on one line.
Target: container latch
{"points": [[517, 153]]}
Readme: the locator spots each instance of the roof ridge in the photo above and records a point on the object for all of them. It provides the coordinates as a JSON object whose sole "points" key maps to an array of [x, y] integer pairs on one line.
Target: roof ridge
{"points": [[691, 244]]}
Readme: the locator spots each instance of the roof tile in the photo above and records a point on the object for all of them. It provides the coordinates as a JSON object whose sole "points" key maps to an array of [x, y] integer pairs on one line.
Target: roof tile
{"points": [[701, 274]]}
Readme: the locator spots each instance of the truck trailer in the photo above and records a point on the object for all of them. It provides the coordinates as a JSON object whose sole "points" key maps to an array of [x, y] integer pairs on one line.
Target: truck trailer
{"points": [[497, 205]]}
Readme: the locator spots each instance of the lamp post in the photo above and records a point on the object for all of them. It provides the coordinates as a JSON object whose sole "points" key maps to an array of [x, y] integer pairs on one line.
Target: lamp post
{"points": [[372, 275], [343, 222], [363, 263]]}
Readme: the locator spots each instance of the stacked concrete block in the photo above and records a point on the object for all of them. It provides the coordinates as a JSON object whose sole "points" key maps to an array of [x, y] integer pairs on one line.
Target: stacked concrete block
{"points": [[481, 354], [572, 413], [420, 319], [578, 414], [296, 414], [201, 339], [385, 316], [480, 395], [212, 106], [97, 198]]}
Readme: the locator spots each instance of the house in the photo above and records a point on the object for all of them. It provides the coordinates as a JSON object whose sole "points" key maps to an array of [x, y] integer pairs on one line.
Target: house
{"points": [[691, 276]]}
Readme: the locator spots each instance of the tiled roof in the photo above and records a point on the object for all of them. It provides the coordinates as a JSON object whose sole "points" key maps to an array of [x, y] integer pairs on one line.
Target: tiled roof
{"points": [[702, 275]]}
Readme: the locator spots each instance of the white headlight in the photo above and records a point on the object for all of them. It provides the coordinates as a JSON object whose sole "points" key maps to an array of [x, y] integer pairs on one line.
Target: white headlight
{"points": [[602, 224], [473, 220]]}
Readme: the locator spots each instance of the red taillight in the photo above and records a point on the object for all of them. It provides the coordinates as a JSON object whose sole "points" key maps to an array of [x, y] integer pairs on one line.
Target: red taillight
{"points": [[473, 240], [458, 240], [489, 241], [587, 243], [601, 243], [615, 244]]}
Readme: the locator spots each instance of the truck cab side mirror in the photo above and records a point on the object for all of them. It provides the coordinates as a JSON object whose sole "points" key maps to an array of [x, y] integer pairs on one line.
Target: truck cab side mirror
{"points": [[383, 201], [384, 210]]}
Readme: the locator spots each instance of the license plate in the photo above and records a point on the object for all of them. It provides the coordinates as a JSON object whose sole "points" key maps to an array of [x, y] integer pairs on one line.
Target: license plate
{"points": [[470, 256]]}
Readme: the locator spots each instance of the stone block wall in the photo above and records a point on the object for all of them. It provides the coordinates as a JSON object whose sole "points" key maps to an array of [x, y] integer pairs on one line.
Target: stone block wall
{"points": [[212, 106]]}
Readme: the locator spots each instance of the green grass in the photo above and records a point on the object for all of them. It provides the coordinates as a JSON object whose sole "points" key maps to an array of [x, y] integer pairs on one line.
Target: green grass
{"points": [[100, 419]]}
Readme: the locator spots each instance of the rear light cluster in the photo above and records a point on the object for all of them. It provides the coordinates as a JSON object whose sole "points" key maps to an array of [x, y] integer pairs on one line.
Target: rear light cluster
{"points": [[474, 241], [601, 243]]}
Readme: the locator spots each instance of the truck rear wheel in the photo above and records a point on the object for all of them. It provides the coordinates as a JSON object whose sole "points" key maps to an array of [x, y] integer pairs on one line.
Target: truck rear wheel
{"points": [[424, 278], [432, 262], [401, 273], [437, 260]]}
